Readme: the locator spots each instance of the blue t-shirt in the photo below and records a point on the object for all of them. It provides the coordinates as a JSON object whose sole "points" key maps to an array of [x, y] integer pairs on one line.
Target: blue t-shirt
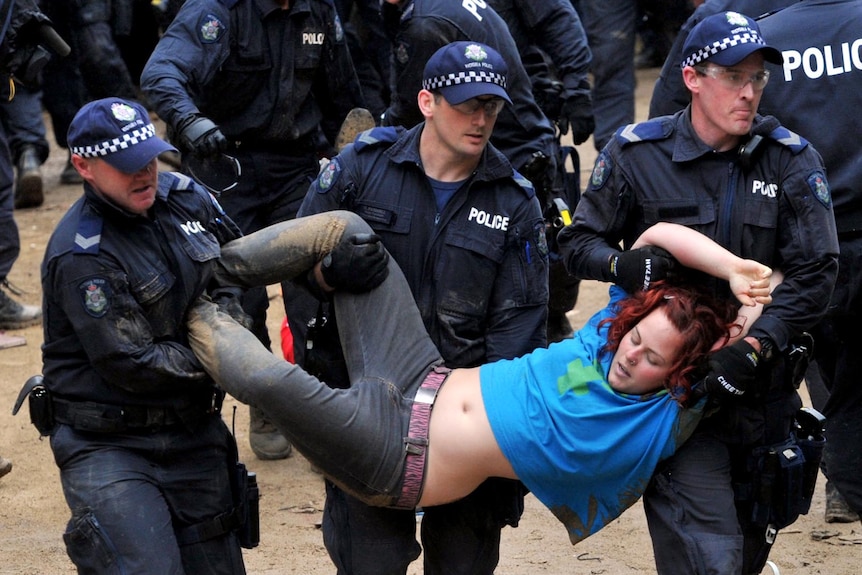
{"points": [[584, 450]]}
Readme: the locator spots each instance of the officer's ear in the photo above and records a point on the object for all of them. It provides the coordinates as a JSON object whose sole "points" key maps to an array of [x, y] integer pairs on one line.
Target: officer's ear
{"points": [[82, 165], [691, 79], [427, 101]]}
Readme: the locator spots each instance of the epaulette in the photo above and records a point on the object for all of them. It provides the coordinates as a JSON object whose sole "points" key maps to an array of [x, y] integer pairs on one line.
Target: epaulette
{"points": [[788, 138], [526, 184], [375, 137], [651, 130], [179, 181], [88, 236]]}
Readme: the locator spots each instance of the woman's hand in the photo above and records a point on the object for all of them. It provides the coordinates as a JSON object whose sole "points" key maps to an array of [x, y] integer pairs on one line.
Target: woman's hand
{"points": [[750, 282]]}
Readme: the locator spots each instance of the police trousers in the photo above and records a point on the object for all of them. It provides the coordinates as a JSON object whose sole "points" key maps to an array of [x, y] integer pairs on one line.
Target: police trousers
{"points": [[838, 349], [131, 494]]}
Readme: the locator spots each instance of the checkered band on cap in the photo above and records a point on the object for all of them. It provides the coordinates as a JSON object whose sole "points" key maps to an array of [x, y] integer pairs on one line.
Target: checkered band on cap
{"points": [[748, 37], [114, 145], [480, 77]]}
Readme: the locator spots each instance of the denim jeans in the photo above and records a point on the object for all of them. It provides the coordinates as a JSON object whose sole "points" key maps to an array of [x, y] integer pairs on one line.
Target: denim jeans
{"points": [[356, 435]]}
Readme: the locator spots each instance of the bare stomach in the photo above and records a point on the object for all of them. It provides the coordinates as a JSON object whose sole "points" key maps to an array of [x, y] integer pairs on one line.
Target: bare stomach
{"points": [[462, 449]]}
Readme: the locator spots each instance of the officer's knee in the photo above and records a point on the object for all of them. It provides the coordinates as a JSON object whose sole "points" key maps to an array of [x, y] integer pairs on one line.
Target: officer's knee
{"points": [[89, 547]]}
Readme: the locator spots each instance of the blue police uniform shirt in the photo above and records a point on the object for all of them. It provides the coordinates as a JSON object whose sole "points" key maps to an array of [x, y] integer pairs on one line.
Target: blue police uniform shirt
{"points": [[478, 268], [117, 287], [586, 451]]}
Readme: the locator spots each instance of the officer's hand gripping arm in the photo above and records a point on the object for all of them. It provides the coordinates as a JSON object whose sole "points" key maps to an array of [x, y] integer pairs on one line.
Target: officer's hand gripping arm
{"points": [[356, 265], [638, 268]]}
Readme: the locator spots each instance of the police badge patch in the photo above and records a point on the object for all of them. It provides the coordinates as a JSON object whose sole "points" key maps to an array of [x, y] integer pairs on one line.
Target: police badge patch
{"points": [[820, 188], [601, 170], [541, 239], [210, 29], [328, 176], [95, 295]]}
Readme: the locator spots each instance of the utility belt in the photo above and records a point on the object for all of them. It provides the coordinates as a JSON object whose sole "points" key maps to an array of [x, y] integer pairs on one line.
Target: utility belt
{"points": [[780, 478], [47, 411], [243, 518]]}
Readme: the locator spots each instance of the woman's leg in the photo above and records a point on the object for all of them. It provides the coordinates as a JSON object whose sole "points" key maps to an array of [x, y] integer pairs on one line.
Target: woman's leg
{"points": [[354, 435]]}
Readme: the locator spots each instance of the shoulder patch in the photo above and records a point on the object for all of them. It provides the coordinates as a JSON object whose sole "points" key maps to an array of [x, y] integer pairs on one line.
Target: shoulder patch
{"points": [[328, 175], [210, 29], [820, 187], [95, 296], [541, 239], [88, 236], [655, 129], [601, 170], [376, 136]]}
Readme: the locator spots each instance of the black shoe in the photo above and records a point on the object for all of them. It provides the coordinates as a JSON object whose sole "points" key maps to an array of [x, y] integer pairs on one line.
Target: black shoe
{"points": [[70, 176], [14, 315], [28, 188]]}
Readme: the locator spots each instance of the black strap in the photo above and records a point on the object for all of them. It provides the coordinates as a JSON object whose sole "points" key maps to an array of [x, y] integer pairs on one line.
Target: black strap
{"points": [[215, 527]]}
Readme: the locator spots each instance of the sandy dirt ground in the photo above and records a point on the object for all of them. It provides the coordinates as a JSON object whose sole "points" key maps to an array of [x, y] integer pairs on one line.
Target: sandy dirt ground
{"points": [[33, 512]]}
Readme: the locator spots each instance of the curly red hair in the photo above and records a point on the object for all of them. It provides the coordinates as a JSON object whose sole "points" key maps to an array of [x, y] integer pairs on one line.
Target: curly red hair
{"points": [[701, 319]]}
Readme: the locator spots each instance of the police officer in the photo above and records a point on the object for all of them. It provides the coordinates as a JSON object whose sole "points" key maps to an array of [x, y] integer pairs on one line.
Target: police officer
{"points": [[553, 48], [523, 133], [269, 83], [670, 94], [760, 191], [610, 27], [145, 459], [468, 233], [553, 30], [814, 37]]}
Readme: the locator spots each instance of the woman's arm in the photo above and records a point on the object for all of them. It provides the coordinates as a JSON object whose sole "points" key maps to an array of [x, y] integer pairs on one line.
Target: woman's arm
{"points": [[748, 279]]}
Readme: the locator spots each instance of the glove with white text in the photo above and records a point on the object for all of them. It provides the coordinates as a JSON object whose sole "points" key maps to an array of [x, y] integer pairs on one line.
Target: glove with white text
{"points": [[637, 269], [732, 372]]}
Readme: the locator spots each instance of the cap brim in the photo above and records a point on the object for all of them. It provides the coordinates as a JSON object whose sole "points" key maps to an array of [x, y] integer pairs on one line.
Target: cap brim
{"points": [[736, 54], [463, 92], [136, 157]]}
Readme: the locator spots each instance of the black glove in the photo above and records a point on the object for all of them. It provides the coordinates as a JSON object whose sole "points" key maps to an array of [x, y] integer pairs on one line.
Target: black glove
{"points": [[639, 268], [357, 264], [577, 112], [228, 301], [732, 370], [201, 136]]}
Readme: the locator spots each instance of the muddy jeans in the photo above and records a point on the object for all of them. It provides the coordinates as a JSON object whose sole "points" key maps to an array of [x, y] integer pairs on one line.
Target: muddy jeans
{"points": [[356, 435]]}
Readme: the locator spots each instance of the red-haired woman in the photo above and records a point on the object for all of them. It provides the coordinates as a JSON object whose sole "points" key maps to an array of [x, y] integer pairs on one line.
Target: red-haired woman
{"points": [[582, 423]]}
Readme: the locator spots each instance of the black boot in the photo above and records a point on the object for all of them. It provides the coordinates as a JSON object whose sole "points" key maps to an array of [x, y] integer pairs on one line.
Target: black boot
{"points": [[28, 188]]}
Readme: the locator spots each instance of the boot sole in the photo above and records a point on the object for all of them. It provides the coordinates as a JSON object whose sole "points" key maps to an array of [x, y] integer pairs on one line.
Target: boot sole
{"points": [[20, 324], [358, 120]]}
